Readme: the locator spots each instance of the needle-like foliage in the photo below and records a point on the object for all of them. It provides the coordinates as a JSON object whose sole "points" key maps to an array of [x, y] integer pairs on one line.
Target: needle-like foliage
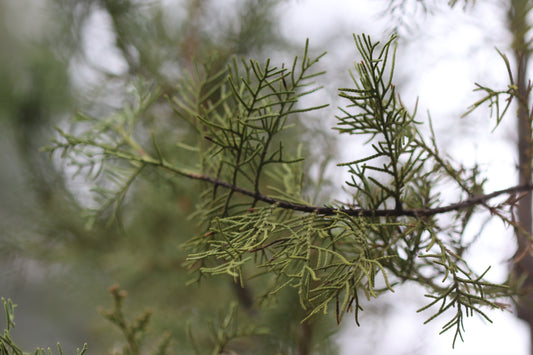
{"points": [[257, 221]]}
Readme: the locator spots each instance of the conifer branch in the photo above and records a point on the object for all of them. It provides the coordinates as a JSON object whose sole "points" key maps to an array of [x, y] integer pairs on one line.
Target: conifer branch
{"points": [[330, 253], [358, 212]]}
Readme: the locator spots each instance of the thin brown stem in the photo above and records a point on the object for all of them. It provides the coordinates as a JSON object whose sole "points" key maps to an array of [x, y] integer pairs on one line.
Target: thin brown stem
{"points": [[329, 211]]}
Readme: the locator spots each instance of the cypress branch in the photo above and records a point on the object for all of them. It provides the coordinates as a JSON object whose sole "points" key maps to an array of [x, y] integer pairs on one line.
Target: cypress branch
{"points": [[388, 235]]}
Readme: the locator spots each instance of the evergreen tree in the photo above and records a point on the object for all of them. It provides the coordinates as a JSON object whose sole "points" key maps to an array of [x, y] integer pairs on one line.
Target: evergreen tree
{"points": [[188, 130], [333, 255]]}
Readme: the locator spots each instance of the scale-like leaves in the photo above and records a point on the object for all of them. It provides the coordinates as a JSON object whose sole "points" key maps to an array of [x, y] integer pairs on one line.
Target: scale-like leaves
{"points": [[255, 218]]}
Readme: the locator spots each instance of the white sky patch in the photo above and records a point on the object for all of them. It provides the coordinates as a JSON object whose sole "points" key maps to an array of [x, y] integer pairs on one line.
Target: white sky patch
{"points": [[99, 44]]}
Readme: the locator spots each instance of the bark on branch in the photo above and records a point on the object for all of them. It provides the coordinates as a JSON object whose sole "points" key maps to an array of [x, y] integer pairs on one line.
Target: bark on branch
{"points": [[330, 211]]}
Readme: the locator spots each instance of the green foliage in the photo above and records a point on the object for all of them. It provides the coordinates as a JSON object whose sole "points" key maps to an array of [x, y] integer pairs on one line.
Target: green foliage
{"points": [[8, 346], [239, 122], [140, 246], [494, 97], [381, 115], [6, 343], [407, 168], [257, 221], [226, 331], [325, 259], [133, 332]]}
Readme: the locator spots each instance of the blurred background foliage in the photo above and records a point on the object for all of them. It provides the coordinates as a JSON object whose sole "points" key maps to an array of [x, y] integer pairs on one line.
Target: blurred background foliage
{"points": [[61, 56]]}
